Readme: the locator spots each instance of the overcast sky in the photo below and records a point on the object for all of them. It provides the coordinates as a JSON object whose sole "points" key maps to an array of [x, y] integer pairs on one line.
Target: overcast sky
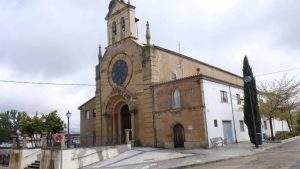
{"points": [[57, 41]]}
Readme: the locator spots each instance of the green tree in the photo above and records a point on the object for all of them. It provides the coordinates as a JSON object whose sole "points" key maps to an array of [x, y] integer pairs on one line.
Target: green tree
{"points": [[251, 109], [9, 123], [279, 100], [54, 124], [5, 127], [27, 126]]}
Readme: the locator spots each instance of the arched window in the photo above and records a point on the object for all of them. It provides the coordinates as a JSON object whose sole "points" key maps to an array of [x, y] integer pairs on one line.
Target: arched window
{"points": [[176, 103], [123, 26], [114, 28]]}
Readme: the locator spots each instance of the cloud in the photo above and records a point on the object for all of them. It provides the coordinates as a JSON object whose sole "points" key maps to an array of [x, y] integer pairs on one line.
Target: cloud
{"points": [[58, 41], [51, 38]]}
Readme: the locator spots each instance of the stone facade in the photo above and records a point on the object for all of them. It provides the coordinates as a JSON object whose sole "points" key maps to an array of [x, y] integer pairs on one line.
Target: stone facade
{"points": [[133, 86], [87, 122], [189, 114]]}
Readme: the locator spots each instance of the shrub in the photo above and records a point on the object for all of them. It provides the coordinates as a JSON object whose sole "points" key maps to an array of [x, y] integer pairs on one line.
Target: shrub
{"points": [[282, 135]]}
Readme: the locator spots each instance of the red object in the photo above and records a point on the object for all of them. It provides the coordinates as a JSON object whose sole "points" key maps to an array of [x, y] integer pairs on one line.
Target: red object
{"points": [[58, 138]]}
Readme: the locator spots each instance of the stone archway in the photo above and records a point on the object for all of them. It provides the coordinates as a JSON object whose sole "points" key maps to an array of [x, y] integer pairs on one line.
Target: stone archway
{"points": [[125, 122], [120, 115]]}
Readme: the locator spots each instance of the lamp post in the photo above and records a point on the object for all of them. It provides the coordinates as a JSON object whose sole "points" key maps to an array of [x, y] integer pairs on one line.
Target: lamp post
{"points": [[18, 132], [248, 80], [44, 133], [68, 116], [44, 125]]}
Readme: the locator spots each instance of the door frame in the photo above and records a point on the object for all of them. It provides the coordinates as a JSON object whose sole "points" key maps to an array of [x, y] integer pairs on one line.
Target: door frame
{"points": [[232, 135], [178, 129]]}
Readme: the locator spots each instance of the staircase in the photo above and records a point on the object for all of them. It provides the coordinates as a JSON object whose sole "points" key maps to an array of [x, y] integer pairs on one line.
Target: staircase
{"points": [[35, 165]]}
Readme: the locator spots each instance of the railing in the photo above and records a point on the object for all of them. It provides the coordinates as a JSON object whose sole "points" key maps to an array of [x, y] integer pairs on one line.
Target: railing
{"points": [[92, 141], [73, 142]]}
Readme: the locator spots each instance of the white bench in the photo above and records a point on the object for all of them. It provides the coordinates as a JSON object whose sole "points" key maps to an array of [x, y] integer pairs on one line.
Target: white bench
{"points": [[218, 141]]}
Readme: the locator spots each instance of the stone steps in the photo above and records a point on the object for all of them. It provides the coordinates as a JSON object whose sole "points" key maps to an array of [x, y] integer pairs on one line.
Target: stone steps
{"points": [[35, 165]]}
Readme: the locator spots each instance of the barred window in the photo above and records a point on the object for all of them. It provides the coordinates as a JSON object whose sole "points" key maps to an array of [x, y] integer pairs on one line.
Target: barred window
{"points": [[224, 97], [216, 123], [242, 125], [239, 100]]}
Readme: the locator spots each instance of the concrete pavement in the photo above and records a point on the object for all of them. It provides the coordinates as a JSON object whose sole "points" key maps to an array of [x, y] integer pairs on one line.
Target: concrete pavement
{"points": [[147, 158], [286, 156]]}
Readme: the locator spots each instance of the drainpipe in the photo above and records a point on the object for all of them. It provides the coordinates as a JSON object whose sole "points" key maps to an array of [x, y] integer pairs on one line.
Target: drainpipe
{"points": [[233, 117]]}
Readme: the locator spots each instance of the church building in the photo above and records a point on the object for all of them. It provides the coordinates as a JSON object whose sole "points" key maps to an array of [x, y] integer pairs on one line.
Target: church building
{"points": [[164, 98]]}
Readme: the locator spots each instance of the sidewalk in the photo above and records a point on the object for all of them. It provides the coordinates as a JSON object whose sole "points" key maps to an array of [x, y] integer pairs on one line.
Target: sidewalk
{"points": [[147, 158]]}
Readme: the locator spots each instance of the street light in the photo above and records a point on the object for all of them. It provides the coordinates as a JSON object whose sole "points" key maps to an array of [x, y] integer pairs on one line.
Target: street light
{"points": [[68, 116], [248, 80], [44, 124], [44, 132], [18, 132]]}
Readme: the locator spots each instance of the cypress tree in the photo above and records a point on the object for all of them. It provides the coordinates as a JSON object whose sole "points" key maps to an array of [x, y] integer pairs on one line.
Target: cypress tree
{"points": [[251, 105]]}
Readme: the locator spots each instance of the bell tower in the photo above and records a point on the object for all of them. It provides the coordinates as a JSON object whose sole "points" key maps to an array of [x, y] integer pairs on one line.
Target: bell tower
{"points": [[121, 21]]}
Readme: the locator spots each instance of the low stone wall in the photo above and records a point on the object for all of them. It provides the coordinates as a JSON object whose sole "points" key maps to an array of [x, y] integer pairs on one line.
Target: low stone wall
{"points": [[80, 157], [4, 152], [21, 158]]}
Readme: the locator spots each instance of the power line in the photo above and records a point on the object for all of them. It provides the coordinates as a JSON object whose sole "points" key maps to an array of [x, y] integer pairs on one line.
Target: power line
{"points": [[46, 83], [93, 85], [282, 71]]}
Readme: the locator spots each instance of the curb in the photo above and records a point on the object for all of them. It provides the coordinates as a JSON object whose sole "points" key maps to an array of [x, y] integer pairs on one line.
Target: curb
{"points": [[282, 143], [229, 158]]}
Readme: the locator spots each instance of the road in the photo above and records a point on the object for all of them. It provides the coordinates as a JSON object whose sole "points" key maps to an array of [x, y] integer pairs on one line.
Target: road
{"points": [[287, 156]]}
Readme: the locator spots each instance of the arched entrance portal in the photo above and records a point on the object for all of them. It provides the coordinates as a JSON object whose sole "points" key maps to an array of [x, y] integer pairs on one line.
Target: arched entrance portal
{"points": [[120, 116], [179, 138], [125, 122]]}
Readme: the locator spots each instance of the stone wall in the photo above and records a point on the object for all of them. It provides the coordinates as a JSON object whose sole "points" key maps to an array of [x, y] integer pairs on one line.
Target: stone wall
{"points": [[137, 83], [87, 126], [21, 158], [81, 157], [189, 114], [184, 66]]}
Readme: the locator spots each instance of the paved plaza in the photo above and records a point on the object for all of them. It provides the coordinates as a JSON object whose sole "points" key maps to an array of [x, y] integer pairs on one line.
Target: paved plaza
{"points": [[147, 158]]}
